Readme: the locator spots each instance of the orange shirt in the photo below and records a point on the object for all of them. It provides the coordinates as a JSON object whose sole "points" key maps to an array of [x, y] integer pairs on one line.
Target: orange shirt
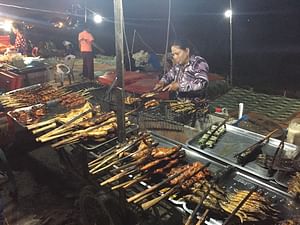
{"points": [[85, 39]]}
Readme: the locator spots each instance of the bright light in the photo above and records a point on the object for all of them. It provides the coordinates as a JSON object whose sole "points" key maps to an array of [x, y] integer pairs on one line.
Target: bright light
{"points": [[6, 25], [59, 25], [228, 13], [98, 18]]}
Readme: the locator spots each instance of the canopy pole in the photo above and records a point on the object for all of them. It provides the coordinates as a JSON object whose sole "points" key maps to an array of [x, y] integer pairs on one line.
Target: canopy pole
{"points": [[168, 35], [119, 23], [133, 40]]}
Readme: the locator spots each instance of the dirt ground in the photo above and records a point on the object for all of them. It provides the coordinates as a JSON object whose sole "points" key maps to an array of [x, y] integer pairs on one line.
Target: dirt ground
{"points": [[41, 200]]}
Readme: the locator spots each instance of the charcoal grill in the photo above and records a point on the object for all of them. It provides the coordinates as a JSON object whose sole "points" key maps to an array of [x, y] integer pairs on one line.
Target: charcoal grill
{"points": [[163, 118]]}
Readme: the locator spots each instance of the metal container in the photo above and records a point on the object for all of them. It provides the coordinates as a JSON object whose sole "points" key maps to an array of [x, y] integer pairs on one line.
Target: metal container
{"points": [[234, 141], [26, 109], [237, 180]]}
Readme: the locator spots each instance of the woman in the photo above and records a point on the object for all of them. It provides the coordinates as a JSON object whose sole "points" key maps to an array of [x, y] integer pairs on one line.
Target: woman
{"points": [[188, 76], [20, 41]]}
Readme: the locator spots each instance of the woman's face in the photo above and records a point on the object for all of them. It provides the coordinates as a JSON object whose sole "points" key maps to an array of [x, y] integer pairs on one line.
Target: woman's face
{"points": [[180, 56]]}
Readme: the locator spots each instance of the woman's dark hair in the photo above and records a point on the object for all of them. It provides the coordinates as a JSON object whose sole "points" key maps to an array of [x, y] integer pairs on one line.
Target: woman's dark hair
{"points": [[181, 43], [18, 27]]}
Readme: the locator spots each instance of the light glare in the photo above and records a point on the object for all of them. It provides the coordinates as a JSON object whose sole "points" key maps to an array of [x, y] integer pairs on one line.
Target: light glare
{"points": [[228, 13], [98, 18]]}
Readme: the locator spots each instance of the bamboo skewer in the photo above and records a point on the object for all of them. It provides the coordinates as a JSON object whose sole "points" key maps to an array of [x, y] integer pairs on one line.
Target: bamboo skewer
{"points": [[66, 141], [55, 137], [191, 217], [125, 148], [102, 156], [203, 217], [153, 188], [40, 124], [142, 198], [66, 124], [239, 205], [129, 183], [154, 201], [117, 177], [44, 128]]}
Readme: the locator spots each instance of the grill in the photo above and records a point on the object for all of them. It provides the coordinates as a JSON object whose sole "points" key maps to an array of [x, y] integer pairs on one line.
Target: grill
{"points": [[163, 118]]}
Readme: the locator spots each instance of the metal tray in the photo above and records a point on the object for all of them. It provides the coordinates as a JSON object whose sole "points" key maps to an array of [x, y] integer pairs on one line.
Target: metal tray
{"points": [[282, 178], [53, 108], [237, 180], [24, 89], [234, 141], [28, 108], [93, 145]]}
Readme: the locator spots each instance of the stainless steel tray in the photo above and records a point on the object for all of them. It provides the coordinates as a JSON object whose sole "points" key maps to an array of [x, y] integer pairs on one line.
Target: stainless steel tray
{"points": [[53, 108], [238, 180], [23, 89], [234, 141], [28, 108]]}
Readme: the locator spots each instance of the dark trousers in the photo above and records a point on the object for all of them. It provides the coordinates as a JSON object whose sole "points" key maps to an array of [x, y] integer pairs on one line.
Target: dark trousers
{"points": [[88, 65]]}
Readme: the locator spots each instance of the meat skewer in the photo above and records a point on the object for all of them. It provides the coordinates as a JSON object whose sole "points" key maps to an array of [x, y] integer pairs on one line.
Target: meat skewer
{"points": [[190, 172], [153, 188], [110, 157], [174, 178], [219, 175], [239, 206]]}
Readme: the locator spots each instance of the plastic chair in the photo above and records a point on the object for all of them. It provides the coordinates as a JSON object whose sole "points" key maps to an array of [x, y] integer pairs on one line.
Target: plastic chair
{"points": [[69, 60], [61, 71]]}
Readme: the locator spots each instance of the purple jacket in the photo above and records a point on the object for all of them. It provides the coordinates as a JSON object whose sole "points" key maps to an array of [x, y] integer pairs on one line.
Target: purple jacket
{"points": [[191, 77]]}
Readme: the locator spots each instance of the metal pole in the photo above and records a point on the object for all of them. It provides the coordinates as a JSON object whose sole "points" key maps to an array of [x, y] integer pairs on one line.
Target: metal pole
{"points": [[119, 20], [133, 40], [85, 11], [231, 57], [168, 35]]}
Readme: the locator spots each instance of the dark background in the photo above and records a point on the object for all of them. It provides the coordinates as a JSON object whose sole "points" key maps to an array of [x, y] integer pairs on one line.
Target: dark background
{"points": [[266, 33]]}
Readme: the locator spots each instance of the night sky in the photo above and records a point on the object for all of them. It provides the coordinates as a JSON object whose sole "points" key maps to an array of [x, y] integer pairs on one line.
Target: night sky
{"points": [[266, 33]]}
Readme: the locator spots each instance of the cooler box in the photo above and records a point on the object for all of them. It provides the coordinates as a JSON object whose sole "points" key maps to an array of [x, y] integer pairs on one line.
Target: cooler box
{"points": [[10, 81]]}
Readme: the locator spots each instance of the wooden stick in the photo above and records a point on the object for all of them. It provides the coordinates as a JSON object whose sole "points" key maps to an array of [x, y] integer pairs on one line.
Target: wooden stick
{"points": [[153, 188], [239, 205], [142, 198], [50, 126], [68, 123], [113, 156], [65, 141], [40, 124], [191, 217], [129, 183], [117, 177], [203, 217], [93, 171], [101, 156], [154, 201], [45, 139]]}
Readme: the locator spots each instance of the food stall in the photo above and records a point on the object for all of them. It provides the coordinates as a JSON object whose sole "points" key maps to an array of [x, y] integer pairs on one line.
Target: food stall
{"points": [[18, 71], [208, 178]]}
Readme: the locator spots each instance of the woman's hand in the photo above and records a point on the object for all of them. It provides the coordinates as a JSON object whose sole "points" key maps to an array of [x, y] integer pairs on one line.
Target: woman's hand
{"points": [[174, 86], [159, 86]]}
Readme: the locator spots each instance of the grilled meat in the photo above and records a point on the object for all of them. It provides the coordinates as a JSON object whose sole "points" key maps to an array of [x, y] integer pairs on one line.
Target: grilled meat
{"points": [[294, 186], [186, 172]]}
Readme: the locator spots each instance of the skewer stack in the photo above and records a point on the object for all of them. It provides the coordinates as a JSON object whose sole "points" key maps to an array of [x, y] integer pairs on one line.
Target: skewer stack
{"points": [[149, 162]]}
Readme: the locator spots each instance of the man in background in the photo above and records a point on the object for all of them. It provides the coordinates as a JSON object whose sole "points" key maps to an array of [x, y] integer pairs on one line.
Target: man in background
{"points": [[86, 39]]}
